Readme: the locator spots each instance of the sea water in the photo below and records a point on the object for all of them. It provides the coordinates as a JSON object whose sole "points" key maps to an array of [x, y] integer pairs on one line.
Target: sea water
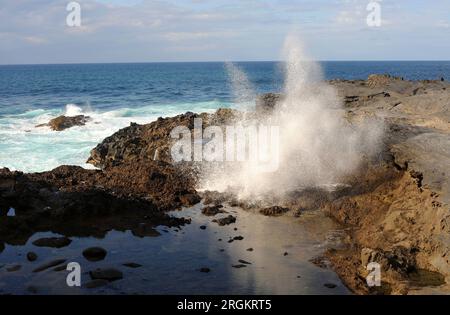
{"points": [[114, 95]]}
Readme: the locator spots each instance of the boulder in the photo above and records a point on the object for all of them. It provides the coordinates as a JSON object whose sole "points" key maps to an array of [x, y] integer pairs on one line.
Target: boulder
{"points": [[212, 210], [226, 220], [54, 242], [64, 122], [94, 253]]}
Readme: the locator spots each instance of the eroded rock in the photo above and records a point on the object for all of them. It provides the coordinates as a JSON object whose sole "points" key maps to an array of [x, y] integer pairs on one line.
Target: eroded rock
{"points": [[274, 211], [212, 210], [226, 220], [64, 122]]}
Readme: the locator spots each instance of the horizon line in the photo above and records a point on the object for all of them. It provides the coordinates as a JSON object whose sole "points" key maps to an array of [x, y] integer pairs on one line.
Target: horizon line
{"points": [[212, 61]]}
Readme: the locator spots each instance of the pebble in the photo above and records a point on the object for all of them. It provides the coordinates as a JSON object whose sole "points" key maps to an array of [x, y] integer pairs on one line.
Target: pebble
{"points": [[94, 253], [31, 256]]}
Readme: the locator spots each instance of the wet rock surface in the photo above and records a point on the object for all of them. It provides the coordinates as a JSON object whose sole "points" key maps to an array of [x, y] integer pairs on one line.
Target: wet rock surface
{"points": [[73, 201], [55, 242], [274, 211], [226, 220], [150, 142], [132, 265], [94, 253], [50, 264], [64, 122], [212, 210]]}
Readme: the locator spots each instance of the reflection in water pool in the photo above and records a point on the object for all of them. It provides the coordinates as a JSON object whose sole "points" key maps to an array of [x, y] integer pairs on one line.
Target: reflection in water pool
{"points": [[171, 263]]}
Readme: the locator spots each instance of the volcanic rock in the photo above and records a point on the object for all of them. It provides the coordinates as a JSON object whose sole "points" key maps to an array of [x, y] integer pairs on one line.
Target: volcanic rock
{"points": [[64, 122], [226, 220], [273, 211]]}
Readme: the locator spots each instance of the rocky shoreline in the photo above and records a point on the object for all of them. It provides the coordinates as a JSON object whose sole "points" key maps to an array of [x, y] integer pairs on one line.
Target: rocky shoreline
{"points": [[395, 208]]}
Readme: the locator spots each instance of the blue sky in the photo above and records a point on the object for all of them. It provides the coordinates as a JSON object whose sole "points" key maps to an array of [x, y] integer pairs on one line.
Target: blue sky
{"points": [[34, 31]]}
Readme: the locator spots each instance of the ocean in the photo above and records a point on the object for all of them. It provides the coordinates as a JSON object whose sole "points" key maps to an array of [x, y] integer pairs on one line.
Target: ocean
{"points": [[116, 94]]}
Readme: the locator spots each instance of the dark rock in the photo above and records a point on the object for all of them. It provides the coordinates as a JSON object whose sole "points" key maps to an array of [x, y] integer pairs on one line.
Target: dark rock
{"points": [[212, 210], [203, 227], [267, 102], [109, 274], [399, 259], [145, 229], [64, 122], [205, 269], [141, 144], [54, 242], [285, 254], [244, 262], [132, 265], [226, 220], [190, 199], [50, 264], [273, 211], [216, 198], [94, 253], [321, 262], [250, 249], [239, 266], [330, 285], [238, 238], [31, 256], [13, 268]]}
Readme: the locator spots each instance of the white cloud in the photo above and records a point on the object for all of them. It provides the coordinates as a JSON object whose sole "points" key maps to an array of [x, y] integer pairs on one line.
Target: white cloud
{"points": [[147, 30]]}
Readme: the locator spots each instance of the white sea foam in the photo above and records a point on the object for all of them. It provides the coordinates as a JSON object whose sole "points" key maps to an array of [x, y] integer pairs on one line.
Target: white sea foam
{"points": [[27, 148]]}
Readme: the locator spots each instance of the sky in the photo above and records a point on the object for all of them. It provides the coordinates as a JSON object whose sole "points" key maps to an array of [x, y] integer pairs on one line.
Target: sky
{"points": [[35, 31]]}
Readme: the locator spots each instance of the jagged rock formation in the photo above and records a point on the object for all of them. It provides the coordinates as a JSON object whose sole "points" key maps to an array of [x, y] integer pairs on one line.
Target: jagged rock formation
{"points": [[64, 122]]}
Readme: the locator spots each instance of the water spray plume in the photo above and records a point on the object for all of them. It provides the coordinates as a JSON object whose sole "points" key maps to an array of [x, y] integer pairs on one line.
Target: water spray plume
{"points": [[318, 146]]}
